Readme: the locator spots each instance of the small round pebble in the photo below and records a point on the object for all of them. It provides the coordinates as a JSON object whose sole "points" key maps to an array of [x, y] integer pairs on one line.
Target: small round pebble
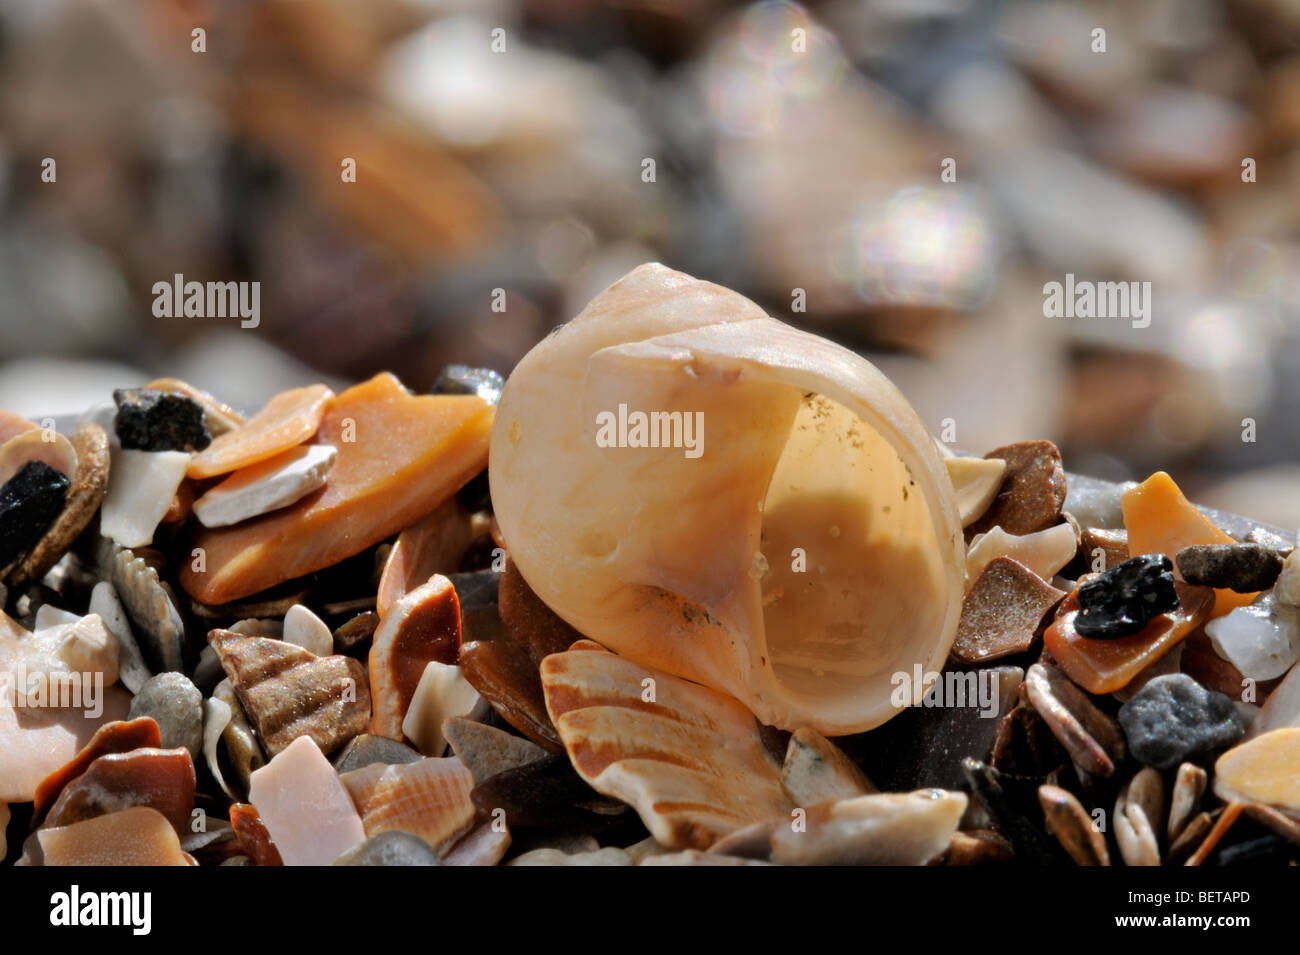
{"points": [[176, 705], [390, 848], [1173, 718]]}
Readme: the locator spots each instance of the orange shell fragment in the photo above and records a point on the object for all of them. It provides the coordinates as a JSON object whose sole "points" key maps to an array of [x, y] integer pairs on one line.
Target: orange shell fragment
{"points": [[136, 836], [1160, 520], [288, 419], [400, 456], [1104, 666]]}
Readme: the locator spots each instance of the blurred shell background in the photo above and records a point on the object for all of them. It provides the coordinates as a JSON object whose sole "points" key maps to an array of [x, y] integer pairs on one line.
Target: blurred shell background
{"points": [[528, 152]]}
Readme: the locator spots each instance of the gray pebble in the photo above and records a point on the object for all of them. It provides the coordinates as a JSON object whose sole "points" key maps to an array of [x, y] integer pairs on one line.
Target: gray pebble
{"points": [[1174, 718], [176, 705], [390, 848], [366, 749]]}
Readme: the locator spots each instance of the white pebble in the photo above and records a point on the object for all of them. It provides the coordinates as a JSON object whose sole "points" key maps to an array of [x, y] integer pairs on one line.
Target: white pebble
{"points": [[441, 693], [1262, 640], [304, 629]]}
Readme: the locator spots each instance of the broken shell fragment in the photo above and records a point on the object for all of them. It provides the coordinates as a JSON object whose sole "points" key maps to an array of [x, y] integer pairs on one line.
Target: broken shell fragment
{"points": [[689, 760], [1004, 612], [681, 557], [305, 807], [433, 545], [289, 419], [149, 603], [429, 798], [141, 485], [266, 486], [420, 628], [1265, 770], [816, 770], [1043, 552], [118, 736], [976, 482], [399, 457], [288, 692], [880, 829], [131, 668], [136, 836], [241, 746], [441, 693], [1160, 520], [162, 779]]}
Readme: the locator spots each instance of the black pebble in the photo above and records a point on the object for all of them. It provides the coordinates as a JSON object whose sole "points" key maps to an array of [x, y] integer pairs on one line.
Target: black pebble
{"points": [[1125, 598], [29, 503], [464, 380], [158, 421]]}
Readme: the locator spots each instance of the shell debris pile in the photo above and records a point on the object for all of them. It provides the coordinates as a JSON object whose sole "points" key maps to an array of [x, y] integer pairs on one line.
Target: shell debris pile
{"points": [[721, 598]]}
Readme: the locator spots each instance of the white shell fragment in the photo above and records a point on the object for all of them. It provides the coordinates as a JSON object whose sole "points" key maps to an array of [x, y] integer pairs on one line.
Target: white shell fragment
{"points": [[303, 628], [441, 693], [1287, 588], [1044, 552], [216, 717], [141, 485], [48, 615], [976, 482], [880, 829], [1139, 817], [268, 486], [1281, 709], [784, 531], [1262, 639], [131, 668], [816, 770], [305, 806]]}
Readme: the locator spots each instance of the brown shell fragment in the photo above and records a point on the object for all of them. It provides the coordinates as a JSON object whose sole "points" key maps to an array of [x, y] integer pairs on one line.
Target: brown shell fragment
{"points": [[688, 759], [531, 623], [1072, 826], [120, 736], [1004, 612], [1094, 740], [421, 627], [1110, 545], [254, 840], [979, 847], [84, 497], [288, 692], [136, 836], [504, 676], [162, 779], [429, 798], [1033, 490], [432, 545], [359, 628], [273, 603]]}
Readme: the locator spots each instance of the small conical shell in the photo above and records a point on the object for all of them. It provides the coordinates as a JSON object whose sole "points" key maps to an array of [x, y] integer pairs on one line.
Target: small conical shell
{"points": [[797, 550]]}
